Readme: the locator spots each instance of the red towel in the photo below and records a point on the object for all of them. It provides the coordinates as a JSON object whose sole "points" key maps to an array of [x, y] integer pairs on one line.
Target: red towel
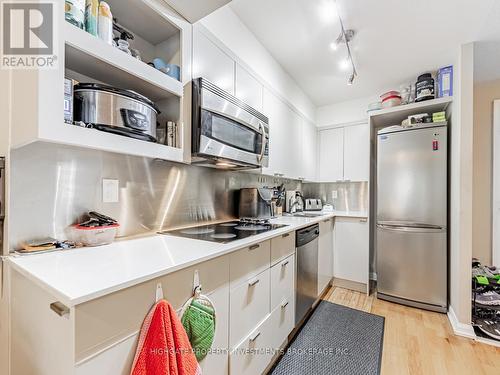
{"points": [[164, 347]]}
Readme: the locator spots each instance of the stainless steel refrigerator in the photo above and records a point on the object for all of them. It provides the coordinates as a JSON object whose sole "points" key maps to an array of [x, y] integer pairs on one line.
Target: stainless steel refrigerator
{"points": [[411, 235]]}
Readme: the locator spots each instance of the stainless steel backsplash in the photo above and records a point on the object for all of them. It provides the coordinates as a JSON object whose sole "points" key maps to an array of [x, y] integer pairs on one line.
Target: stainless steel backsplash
{"points": [[351, 196], [53, 186]]}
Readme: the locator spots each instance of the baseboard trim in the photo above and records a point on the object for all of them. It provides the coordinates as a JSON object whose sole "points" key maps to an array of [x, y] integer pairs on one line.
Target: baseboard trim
{"points": [[460, 329], [348, 284]]}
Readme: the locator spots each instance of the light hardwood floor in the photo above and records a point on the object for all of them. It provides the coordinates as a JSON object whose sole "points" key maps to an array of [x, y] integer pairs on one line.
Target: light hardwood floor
{"points": [[421, 342]]}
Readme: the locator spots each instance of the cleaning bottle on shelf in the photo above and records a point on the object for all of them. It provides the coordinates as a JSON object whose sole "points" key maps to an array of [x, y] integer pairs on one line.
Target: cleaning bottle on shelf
{"points": [[105, 23], [91, 14]]}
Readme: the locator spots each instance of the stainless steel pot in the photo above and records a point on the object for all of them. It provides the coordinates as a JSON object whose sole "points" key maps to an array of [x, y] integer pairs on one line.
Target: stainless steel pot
{"points": [[114, 110]]}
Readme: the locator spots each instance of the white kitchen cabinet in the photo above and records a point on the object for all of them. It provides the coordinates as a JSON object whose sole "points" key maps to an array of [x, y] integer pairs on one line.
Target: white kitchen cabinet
{"points": [[283, 282], [351, 254], [248, 88], [277, 113], [357, 152], [210, 62], [325, 254], [344, 154], [309, 151], [293, 150], [331, 158]]}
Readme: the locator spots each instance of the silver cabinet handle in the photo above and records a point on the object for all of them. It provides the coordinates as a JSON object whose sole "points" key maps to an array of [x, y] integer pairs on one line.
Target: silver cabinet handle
{"points": [[254, 337], [284, 304], [326, 221], [253, 282], [279, 174], [253, 247], [59, 308], [363, 220], [285, 235], [284, 264]]}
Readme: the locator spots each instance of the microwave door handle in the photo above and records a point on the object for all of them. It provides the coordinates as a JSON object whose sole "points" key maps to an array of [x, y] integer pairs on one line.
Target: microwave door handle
{"points": [[263, 147]]}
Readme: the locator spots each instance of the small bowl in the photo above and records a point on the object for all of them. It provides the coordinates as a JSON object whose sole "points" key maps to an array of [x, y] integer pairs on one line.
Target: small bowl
{"points": [[95, 236]]}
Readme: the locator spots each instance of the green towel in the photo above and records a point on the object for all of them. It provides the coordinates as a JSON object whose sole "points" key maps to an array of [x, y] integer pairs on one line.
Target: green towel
{"points": [[199, 323]]}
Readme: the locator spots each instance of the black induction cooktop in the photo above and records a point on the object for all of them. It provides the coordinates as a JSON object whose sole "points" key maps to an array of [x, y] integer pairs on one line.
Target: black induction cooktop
{"points": [[224, 232]]}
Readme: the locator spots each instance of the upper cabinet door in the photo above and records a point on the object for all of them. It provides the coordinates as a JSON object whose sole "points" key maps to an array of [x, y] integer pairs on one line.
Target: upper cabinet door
{"points": [[331, 157], [248, 89], [210, 62], [309, 151], [194, 10], [276, 111], [357, 153], [292, 153]]}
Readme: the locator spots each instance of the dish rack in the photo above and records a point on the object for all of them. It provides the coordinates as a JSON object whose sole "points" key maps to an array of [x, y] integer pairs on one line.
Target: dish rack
{"points": [[481, 311]]}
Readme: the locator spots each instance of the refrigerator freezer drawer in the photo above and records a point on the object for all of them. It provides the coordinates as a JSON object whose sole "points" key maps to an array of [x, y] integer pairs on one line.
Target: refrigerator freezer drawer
{"points": [[412, 264]]}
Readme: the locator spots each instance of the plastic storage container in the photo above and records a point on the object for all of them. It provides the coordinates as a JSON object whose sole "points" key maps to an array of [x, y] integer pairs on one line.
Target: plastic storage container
{"points": [[94, 236]]}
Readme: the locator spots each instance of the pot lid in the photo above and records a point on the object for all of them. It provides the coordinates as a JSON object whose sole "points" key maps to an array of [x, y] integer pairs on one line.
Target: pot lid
{"points": [[114, 90]]}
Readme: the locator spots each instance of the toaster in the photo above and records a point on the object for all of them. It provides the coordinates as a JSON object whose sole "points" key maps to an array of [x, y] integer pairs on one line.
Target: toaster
{"points": [[313, 204]]}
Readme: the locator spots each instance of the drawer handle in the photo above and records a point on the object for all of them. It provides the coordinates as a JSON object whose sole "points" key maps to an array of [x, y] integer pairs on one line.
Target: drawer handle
{"points": [[59, 308], [254, 337], [253, 282], [285, 235], [284, 264], [363, 220], [326, 221], [253, 247], [284, 304]]}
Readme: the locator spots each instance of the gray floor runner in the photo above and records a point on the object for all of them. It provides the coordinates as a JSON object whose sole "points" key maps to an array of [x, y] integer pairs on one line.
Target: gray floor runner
{"points": [[336, 340]]}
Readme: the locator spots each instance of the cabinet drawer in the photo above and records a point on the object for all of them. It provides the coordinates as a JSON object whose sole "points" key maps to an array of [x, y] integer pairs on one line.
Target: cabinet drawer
{"points": [[282, 246], [104, 321], [256, 351], [252, 356], [249, 305], [282, 322], [282, 281], [249, 262]]}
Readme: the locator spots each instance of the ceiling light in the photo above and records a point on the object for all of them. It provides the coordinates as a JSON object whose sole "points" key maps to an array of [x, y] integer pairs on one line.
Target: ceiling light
{"points": [[328, 10], [351, 79], [344, 64], [334, 46]]}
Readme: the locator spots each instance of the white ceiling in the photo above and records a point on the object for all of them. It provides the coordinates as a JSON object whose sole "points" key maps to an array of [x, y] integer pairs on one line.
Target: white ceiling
{"points": [[395, 39]]}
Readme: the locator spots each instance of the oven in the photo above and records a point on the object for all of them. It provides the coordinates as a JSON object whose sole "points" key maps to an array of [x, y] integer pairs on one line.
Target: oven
{"points": [[226, 132]]}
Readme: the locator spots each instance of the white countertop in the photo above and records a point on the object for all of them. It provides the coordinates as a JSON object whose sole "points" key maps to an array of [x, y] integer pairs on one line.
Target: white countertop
{"points": [[79, 275]]}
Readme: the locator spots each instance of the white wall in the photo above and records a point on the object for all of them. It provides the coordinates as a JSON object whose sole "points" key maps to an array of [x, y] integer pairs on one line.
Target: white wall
{"points": [[461, 185], [230, 30], [342, 113]]}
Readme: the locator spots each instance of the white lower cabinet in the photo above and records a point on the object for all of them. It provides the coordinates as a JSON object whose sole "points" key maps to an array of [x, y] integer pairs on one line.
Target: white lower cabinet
{"points": [[283, 282], [254, 305], [254, 354], [282, 247], [351, 249], [325, 254], [249, 306]]}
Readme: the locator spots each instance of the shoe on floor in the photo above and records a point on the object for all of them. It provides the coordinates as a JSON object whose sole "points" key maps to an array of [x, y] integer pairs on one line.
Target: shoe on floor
{"points": [[488, 298], [489, 327]]}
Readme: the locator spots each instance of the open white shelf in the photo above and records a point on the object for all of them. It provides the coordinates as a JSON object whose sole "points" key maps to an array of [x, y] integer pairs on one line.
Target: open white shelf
{"points": [[73, 135], [88, 55], [394, 115]]}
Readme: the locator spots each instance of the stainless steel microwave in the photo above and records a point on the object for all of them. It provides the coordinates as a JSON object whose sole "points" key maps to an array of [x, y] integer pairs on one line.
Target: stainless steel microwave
{"points": [[226, 132]]}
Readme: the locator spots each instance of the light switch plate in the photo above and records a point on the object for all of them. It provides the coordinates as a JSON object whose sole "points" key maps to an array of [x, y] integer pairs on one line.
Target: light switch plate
{"points": [[110, 190], [334, 194]]}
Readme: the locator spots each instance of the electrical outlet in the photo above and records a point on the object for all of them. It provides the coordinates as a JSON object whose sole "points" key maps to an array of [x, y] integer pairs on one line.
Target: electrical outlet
{"points": [[110, 190], [334, 194]]}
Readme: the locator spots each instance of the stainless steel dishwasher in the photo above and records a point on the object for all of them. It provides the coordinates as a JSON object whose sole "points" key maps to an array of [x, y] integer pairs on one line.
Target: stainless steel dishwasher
{"points": [[306, 292]]}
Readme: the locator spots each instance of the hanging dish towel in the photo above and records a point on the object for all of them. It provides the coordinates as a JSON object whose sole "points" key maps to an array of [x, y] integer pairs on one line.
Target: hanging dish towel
{"points": [[164, 347], [198, 319]]}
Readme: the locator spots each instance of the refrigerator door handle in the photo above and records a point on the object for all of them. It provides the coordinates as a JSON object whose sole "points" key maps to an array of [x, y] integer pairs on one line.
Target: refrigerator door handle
{"points": [[409, 224], [413, 229]]}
